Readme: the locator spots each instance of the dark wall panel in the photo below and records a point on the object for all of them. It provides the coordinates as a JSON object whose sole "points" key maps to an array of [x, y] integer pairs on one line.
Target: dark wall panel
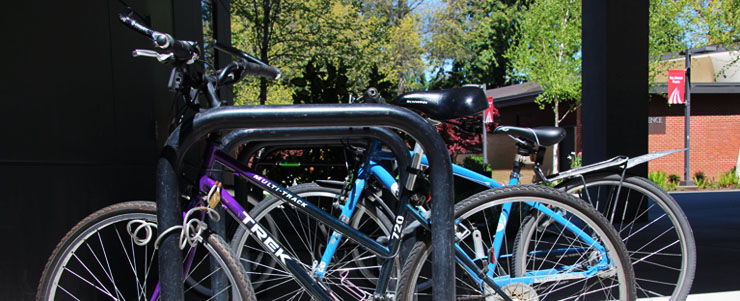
{"points": [[615, 83], [82, 121]]}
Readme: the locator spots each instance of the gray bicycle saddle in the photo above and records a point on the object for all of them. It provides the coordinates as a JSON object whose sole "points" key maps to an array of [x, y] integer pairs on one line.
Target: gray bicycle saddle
{"points": [[445, 104], [542, 136]]}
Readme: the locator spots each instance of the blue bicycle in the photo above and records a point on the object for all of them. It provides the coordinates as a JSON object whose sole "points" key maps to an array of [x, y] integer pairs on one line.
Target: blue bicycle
{"points": [[577, 255]]}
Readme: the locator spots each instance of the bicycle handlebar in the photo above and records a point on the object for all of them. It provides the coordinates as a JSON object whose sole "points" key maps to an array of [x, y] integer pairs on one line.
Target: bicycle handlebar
{"points": [[250, 64], [182, 50]]}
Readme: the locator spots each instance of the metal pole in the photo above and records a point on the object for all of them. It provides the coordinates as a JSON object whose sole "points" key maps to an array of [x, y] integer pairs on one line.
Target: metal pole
{"points": [[485, 137], [687, 125]]}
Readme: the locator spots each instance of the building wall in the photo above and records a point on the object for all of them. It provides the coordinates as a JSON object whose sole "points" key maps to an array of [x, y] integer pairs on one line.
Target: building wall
{"points": [[715, 134]]}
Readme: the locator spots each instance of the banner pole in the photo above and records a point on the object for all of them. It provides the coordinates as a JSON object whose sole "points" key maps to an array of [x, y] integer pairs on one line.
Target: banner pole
{"points": [[687, 124]]}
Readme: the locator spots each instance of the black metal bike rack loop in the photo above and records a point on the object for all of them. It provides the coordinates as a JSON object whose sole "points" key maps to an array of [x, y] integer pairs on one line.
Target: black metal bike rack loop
{"points": [[292, 137], [306, 116]]}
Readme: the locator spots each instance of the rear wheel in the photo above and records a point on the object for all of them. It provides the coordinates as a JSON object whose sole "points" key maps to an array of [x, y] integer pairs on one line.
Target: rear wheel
{"points": [[98, 258], [567, 265], [652, 225]]}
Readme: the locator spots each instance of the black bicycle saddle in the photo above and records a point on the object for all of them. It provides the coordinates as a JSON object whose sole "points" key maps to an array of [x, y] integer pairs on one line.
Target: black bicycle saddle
{"points": [[445, 104], [542, 136]]}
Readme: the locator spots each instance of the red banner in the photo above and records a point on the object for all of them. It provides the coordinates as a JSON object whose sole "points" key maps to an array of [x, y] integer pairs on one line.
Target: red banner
{"points": [[676, 86], [488, 113]]}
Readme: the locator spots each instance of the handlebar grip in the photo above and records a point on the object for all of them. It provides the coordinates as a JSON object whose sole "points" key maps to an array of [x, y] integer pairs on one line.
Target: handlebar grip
{"points": [[136, 26], [265, 71]]}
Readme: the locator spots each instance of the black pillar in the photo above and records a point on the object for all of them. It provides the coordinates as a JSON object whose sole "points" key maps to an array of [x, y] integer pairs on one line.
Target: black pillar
{"points": [[615, 79], [222, 34]]}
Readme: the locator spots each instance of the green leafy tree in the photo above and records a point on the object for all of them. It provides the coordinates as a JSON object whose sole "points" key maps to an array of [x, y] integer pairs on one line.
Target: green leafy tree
{"points": [[288, 34], [471, 37], [402, 55], [547, 51], [666, 32]]}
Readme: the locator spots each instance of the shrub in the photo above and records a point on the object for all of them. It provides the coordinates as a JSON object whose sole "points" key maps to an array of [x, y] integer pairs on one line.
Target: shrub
{"points": [[475, 163], [674, 179], [728, 179], [659, 178], [701, 180]]}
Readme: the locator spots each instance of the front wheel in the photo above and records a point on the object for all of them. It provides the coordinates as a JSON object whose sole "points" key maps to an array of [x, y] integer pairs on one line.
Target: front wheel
{"points": [[353, 271], [584, 260], [99, 259]]}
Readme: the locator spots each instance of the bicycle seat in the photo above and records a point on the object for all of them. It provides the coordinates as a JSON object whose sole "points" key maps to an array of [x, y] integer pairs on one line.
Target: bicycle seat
{"points": [[445, 104], [542, 136]]}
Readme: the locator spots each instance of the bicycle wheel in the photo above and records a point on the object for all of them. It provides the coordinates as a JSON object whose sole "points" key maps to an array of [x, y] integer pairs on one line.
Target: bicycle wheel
{"points": [[569, 267], [353, 271], [652, 226], [98, 259]]}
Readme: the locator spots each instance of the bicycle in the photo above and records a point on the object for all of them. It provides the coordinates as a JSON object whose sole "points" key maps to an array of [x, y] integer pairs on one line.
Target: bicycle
{"points": [[84, 264], [608, 186], [193, 231], [353, 266]]}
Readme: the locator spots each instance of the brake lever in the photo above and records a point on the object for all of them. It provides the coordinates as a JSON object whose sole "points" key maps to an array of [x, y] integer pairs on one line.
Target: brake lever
{"points": [[161, 57]]}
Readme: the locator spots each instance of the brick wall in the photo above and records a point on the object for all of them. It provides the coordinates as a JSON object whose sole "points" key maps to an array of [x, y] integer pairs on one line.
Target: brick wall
{"points": [[715, 134]]}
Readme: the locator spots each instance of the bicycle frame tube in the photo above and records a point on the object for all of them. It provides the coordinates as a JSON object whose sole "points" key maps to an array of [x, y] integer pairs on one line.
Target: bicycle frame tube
{"points": [[470, 175], [348, 210]]}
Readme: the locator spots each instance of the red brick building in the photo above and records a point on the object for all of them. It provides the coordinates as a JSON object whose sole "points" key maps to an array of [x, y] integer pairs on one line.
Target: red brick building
{"points": [[715, 118], [715, 130]]}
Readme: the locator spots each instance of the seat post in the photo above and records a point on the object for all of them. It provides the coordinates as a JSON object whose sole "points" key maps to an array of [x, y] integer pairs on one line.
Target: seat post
{"points": [[522, 152], [539, 158]]}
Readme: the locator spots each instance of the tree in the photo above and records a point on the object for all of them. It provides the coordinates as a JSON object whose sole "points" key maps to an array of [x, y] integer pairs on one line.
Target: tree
{"points": [[402, 54], [666, 33], [471, 37], [288, 34], [547, 51]]}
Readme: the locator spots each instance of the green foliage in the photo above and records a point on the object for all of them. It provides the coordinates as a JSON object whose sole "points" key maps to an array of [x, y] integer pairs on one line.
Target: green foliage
{"points": [[338, 47], [294, 34], [701, 180], [467, 40], [547, 51], [475, 163], [660, 179], [674, 179], [321, 85], [401, 56], [729, 179]]}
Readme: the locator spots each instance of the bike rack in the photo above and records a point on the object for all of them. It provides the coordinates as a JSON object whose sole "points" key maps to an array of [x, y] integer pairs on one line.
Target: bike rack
{"points": [[305, 116], [291, 137]]}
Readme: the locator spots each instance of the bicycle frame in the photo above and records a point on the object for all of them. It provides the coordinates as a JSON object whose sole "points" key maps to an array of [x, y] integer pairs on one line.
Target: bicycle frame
{"points": [[214, 155], [374, 169]]}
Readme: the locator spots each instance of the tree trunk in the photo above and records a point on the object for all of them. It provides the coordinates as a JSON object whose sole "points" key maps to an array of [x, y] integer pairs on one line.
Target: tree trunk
{"points": [[266, 7]]}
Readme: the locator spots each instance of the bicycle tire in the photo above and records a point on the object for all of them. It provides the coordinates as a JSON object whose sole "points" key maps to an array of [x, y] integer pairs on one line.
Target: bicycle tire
{"points": [[283, 221], [415, 282], [65, 265], [664, 267]]}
